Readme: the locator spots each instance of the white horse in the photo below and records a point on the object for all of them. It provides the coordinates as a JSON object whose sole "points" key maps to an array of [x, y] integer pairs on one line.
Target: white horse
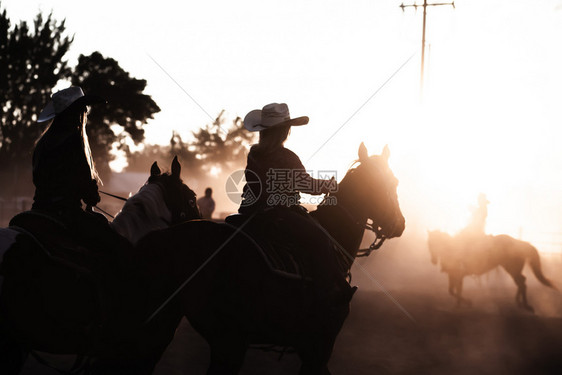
{"points": [[90, 298]]}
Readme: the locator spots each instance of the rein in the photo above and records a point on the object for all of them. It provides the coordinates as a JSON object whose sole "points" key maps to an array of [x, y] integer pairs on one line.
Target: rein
{"points": [[111, 195], [379, 237], [114, 196], [104, 212]]}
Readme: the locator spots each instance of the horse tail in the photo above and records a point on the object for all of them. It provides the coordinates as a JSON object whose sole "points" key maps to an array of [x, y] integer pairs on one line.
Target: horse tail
{"points": [[535, 263]]}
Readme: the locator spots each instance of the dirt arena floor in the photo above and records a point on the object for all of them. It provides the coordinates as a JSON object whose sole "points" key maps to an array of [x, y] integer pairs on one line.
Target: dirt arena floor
{"points": [[491, 337]]}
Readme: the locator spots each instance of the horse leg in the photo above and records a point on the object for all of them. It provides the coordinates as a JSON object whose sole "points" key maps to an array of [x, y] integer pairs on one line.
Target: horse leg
{"points": [[514, 269], [314, 358], [227, 354], [466, 301], [315, 348], [123, 366], [12, 355], [313, 368], [452, 287], [521, 295], [455, 289]]}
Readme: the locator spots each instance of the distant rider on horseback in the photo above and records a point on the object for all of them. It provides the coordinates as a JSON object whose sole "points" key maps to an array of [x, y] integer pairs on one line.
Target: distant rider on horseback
{"points": [[477, 224], [274, 177]]}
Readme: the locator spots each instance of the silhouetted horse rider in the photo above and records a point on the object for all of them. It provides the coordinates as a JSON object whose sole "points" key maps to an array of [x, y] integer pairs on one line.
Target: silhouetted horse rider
{"points": [[274, 177], [474, 234], [477, 224], [64, 174]]}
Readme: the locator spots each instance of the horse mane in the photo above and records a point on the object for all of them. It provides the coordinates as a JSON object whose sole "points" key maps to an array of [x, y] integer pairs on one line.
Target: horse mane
{"points": [[357, 164], [352, 171], [326, 202], [142, 213]]}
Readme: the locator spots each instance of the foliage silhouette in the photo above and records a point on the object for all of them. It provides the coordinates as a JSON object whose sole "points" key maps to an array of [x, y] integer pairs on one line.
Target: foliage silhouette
{"points": [[218, 145], [31, 63], [127, 106], [221, 146]]}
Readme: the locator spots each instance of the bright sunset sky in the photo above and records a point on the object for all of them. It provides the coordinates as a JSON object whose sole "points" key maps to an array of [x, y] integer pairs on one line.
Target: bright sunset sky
{"points": [[490, 120]]}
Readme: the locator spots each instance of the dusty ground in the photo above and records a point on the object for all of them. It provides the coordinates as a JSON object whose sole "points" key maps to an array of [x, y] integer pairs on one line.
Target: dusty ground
{"points": [[378, 338], [491, 337]]}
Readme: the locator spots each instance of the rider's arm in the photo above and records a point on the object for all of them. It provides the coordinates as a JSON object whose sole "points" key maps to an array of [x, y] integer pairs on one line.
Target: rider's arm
{"points": [[304, 182]]}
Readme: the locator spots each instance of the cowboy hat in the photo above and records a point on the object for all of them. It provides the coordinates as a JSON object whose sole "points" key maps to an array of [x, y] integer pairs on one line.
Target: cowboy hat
{"points": [[63, 99], [271, 115]]}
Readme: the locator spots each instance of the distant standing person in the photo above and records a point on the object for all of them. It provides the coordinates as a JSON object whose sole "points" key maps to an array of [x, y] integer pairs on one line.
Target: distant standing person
{"points": [[206, 204]]}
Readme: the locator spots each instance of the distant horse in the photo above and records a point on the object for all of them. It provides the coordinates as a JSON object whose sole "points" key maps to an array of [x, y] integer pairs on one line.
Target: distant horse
{"points": [[464, 255], [59, 297], [233, 296]]}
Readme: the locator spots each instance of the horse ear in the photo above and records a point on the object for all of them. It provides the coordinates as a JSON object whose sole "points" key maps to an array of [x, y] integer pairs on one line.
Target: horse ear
{"points": [[385, 153], [363, 154], [176, 167], [154, 170]]}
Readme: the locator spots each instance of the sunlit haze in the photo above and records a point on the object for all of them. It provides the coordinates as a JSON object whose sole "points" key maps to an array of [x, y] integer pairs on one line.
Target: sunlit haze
{"points": [[490, 120]]}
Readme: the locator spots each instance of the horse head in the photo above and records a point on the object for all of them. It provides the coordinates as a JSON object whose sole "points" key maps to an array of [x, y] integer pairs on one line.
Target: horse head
{"points": [[180, 199], [437, 242], [163, 201], [370, 190]]}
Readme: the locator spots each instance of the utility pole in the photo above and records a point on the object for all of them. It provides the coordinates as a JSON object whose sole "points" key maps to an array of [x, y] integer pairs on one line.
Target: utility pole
{"points": [[424, 5]]}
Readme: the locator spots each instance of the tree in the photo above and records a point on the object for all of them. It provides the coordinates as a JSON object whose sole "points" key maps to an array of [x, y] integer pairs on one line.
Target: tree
{"points": [[31, 64], [141, 160], [184, 152], [218, 145], [127, 105], [213, 146]]}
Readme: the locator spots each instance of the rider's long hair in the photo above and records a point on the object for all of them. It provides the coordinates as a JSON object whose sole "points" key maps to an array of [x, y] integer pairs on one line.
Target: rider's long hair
{"points": [[73, 119], [272, 138]]}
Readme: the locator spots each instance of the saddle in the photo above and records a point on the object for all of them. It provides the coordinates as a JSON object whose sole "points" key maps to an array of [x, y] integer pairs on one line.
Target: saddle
{"points": [[57, 241], [283, 253], [295, 248], [67, 286]]}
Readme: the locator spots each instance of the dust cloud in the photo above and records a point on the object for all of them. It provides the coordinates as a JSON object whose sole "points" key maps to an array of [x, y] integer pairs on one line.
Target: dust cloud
{"points": [[493, 336], [403, 321]]}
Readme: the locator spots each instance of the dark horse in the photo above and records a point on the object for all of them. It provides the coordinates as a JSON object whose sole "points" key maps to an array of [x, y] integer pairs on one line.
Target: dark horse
{"points": [[233, 297], [464, 255], [61, 298]]}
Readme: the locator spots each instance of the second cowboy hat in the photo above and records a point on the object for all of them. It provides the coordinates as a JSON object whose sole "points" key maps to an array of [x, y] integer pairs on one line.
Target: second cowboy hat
{"points": [[63, 99], [271, 115]]}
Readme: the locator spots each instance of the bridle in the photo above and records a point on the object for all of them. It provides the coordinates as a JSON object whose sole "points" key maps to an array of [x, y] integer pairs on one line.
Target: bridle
{"points": [[177, 217], [379, 236], [375, 245], [183, 214]]}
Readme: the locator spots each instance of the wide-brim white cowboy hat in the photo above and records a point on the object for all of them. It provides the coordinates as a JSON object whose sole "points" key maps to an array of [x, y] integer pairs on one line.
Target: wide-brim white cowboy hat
{"points": [[274, 114], [62, 100]]}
